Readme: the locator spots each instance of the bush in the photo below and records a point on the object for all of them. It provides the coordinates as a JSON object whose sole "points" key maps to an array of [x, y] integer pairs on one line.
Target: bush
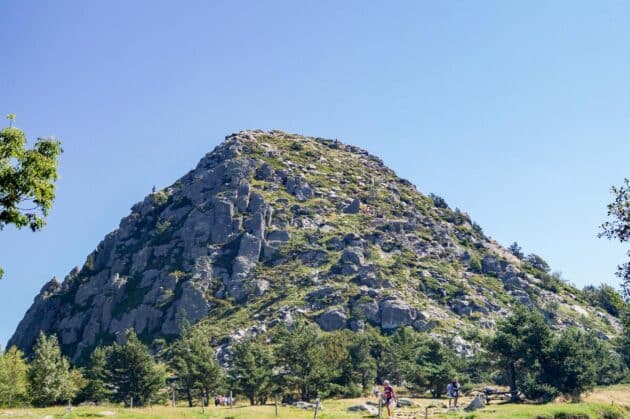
{"points": [[534, 389], [438, 201]]}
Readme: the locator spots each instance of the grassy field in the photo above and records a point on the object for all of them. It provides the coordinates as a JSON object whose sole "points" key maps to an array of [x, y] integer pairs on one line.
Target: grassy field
{"points": [[608, 403]]}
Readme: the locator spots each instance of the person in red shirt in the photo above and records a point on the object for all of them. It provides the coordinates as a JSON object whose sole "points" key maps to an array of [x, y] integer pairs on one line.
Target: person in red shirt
{"points": [[389, 395]]}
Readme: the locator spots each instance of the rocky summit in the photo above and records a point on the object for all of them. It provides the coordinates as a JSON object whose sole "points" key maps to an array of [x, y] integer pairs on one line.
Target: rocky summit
{"points": [[273, 227]]}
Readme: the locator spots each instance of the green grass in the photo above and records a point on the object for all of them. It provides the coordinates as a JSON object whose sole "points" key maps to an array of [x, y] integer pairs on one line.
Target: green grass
{"points": [[551, 411], [606, 402]]}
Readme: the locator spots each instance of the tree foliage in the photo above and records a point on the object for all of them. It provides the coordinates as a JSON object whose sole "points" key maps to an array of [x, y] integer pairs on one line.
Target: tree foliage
{"points": [[50, 378], [193, 361], [97, 389], [252, 368], [516, 250], [27, 179], [13, 378], [133, 373], [618, 227]]}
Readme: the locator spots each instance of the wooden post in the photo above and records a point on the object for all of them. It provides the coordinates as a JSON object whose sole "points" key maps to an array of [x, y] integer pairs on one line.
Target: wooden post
{"points": [[316, 408], [203, 407], [276, 403], [380, 407], [231, 400], [131, 406], [173, 398]]}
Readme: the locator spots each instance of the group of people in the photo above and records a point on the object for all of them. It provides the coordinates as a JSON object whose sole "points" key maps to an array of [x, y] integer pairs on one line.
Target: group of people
{"points": [[389, 396], [223, 401]]}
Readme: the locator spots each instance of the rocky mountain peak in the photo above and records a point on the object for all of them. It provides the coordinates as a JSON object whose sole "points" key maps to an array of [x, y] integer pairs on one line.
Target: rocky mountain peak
{"points": [[273, 226]]}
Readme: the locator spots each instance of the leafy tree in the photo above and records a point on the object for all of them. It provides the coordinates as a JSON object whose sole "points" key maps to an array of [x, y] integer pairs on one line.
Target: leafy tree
{"points": [[605, 297], [133, 373], [618, 227], [27, 179], [13, 377], [193, 360], [516, 250], [97, 388], [252, 370], [50, 379], [519, 345]]}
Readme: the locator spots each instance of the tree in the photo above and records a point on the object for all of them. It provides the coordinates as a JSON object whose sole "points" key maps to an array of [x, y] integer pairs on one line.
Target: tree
{"points": [[433, 367], [618, 227], [538, 262], [398, 355], [252, 370], [97, 389], [571, 366], [605, 297], [519, 345], [27, 179], [13, 377], [305, 367], [194, 362], [362, 362], [133, 373], [516, 250], [49, 376]]}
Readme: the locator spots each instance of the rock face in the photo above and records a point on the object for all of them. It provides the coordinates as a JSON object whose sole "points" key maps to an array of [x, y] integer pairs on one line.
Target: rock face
{"points": [[272, 226]]}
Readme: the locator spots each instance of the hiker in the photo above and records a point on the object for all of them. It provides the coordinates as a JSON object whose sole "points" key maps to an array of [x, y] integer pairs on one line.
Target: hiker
{"points": [[452, 391], [375, 391], [389, 395]]}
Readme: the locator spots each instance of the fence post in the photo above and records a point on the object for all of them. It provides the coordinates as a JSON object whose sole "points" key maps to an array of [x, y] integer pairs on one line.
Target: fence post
{"points": [[276, 403], [380, 407], [231, 400], [316, 408], [131, 406]]}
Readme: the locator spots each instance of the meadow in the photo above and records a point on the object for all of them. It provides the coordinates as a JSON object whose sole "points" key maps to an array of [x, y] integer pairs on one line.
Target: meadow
{"points": [[604, 402]]}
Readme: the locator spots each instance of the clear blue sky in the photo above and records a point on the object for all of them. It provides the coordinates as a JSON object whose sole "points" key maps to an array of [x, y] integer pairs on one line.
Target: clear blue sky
{"points": [[516, 112]]}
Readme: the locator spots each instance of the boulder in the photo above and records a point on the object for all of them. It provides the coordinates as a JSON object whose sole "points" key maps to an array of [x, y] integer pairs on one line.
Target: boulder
{"points": [[354, 207], [478, 402], [334, 319], [404, 402], [363, 408], [396, 313]]}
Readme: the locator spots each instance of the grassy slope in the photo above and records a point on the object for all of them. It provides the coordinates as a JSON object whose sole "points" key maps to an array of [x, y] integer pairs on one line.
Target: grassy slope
{"points": [[606, 400]]}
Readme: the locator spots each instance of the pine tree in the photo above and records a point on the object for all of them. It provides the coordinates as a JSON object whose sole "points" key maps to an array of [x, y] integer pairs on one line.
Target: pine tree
{"points": [[362, 362], [519, 344], [305, 368], [194, 362], [97, 389], [572, 362], [133, 373], [252, 370], [49, 375], [13, 378]]}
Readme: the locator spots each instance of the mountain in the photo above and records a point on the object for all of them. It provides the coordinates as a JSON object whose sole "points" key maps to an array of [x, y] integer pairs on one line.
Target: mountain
{"points": [[272, 226]]}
